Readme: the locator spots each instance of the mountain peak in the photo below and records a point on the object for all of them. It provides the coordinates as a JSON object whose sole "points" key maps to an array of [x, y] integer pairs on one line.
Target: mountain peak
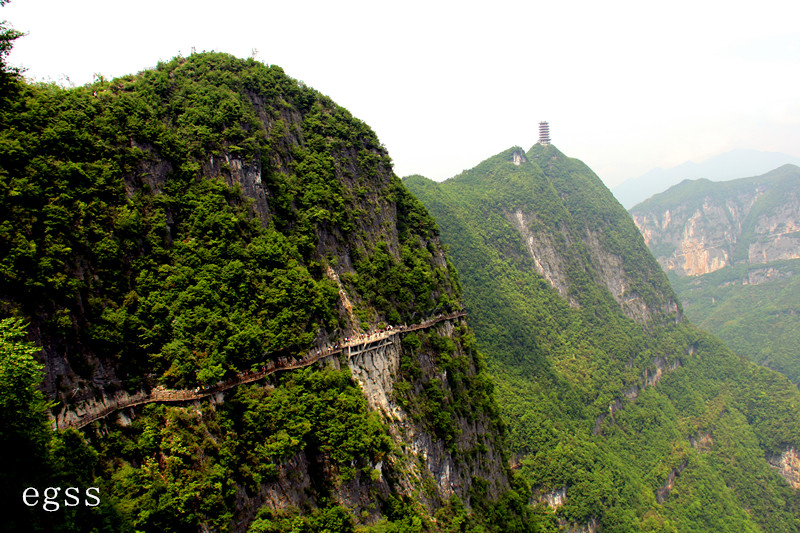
{"points": [[571, 230]]}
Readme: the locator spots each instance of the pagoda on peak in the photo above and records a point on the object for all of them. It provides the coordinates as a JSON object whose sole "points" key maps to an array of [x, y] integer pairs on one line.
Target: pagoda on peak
{"points": [[544, 133]]}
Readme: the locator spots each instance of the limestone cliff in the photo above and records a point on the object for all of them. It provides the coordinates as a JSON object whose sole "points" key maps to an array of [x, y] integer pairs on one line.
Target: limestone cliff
{"points": [[424, 465], [470, 450], [788, 465], [553, 215], [699, 227], [316, 179], [731, 250]]}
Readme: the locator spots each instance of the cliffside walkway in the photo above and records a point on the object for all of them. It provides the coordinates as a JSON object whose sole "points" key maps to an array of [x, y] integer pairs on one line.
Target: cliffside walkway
{"points": [[351, 346]]}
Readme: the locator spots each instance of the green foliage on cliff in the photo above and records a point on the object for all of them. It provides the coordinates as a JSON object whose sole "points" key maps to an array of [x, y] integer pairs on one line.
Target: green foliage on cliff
{"points": [[180, 467], [307, 435], [24, 431], [170, 222], [461, 389], [36, 457], [189, 222], [575, 373]]}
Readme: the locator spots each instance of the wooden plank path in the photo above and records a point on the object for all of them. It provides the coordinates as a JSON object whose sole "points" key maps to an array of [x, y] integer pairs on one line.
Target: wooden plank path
{"points": [[352, 346]]}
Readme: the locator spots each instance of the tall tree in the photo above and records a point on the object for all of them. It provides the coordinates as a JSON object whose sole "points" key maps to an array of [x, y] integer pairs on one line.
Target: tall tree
{"points": [[7, 37], [24, 431]]}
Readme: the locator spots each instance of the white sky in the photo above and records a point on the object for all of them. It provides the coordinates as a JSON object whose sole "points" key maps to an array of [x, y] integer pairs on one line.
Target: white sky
{"points": [[626, 85]]}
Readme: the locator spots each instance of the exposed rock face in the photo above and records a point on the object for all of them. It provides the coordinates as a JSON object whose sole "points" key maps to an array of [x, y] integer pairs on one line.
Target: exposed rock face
{"points": [[544, 252], [702, 442], [289, 490], [419, 456], [554, 498], [96, 406], [323, 185], [611, 272], [609, 268], [699, 227], [518, 157], [781, 231], [592, 526], [377, 371], [788, 465], [662, 493], [649, 378]]}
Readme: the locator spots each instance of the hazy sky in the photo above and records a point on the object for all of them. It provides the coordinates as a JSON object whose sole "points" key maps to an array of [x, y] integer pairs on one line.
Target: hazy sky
{"points": [[626, 86]]}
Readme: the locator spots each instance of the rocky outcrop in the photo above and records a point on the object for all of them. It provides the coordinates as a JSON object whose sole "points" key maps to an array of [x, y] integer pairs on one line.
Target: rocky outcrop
{"points": [[548, 258], [702, 442], [662, 493], [611, 273], [649, 378], [289, 490], [419, 456], [592, 526], [701, 240], [78, 414], [554, 499], [548, 261], [374, 361], [96, 407], [376, 371], [788, 466]]}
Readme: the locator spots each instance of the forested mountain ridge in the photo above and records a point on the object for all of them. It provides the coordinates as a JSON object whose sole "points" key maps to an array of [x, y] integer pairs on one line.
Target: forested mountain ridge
{"points": [[202, 220], [622, 415], [731, 250], [723, 167]]}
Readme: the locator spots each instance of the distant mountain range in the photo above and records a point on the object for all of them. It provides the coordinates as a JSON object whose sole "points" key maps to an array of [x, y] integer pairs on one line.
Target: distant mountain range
{"points": [[730, 165]]}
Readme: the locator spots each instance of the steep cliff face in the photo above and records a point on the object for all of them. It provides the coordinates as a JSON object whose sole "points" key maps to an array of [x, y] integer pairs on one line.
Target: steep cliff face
{"points": [[428, 463], [216, 219], [595, 227], [543, 251], [731, 249], [400, 382], [699, 227], [292, 184]]}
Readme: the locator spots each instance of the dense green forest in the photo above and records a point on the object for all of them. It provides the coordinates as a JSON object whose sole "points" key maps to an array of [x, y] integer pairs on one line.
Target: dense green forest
{"points": [[575, 362], [190, 223], [759, 321], [111, 255]]}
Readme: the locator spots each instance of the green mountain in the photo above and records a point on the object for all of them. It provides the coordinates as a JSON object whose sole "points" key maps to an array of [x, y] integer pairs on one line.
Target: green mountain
{"points": [[222, 311], [240, 318], [622, 415], [731, 250]]}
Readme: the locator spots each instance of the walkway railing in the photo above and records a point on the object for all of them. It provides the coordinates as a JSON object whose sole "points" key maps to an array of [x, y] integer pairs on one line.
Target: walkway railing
{"points": [[351, 346]]}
